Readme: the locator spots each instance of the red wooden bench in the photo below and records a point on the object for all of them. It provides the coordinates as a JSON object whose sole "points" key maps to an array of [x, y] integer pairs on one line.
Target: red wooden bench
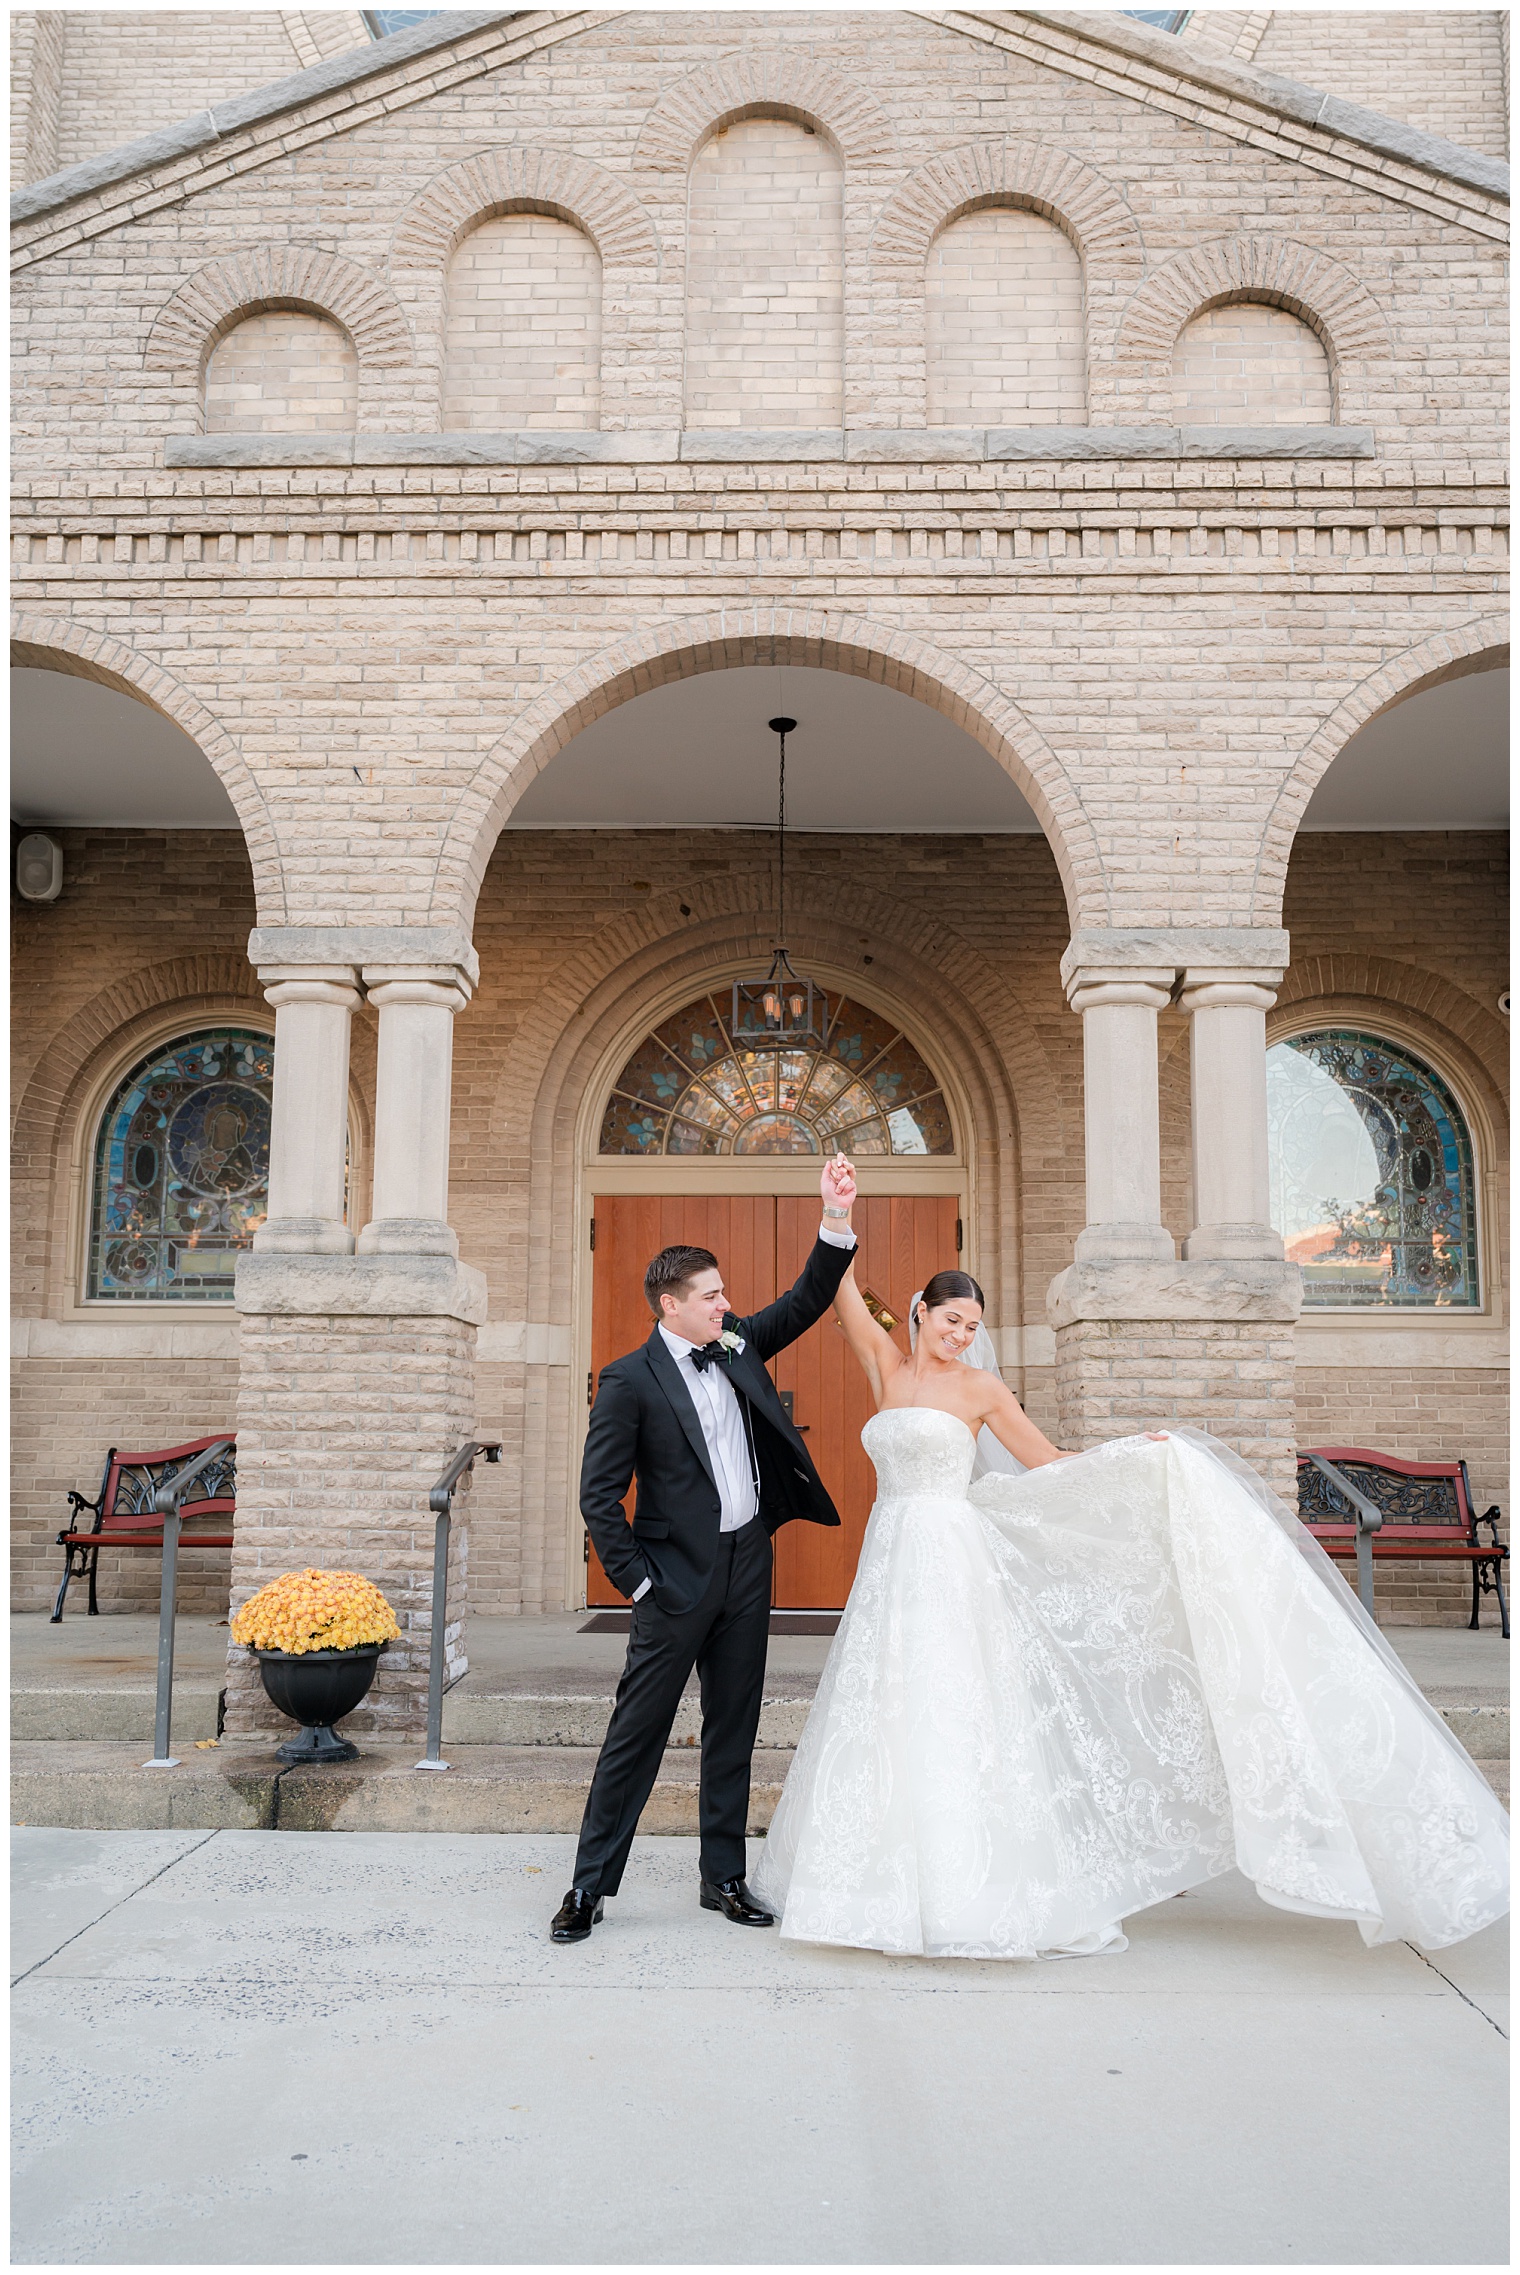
{"points": [[1426, 1509], [124, 1513]]}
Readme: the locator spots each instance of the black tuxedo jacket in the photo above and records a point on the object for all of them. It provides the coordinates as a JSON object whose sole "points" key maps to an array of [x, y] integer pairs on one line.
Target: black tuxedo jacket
{"points": [[645, 1426]]}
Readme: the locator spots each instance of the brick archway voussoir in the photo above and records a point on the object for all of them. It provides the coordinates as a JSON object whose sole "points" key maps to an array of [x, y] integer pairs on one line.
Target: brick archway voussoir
{"points": [[51, 1091], [768, 78], [1034, 174], [49, 643], [1307, 282], [1360, 974], [187, 326], [523, 178]]}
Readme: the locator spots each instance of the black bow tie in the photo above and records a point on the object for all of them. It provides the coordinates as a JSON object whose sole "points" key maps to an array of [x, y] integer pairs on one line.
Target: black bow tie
{"points": [[708, 1356]]}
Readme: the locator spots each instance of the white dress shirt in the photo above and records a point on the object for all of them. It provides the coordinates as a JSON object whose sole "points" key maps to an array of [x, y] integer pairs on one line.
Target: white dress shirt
{"points": [[723, 1431]]}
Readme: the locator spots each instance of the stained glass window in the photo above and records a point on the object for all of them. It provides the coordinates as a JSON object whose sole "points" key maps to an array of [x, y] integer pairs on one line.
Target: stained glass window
{"points": [[381, 22], [1372, 1181], [693, 1088], [182, 1170]]}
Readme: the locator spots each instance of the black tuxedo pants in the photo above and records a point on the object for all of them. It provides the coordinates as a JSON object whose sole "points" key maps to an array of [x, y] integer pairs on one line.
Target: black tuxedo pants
{"points": [[724, 1637]]}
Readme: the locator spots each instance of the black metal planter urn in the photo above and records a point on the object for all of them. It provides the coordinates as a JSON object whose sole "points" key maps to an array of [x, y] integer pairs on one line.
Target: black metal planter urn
{"points": [[316, 1689]]}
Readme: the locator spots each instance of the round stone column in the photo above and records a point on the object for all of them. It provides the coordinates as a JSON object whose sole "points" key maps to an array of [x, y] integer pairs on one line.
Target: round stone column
{"points": [[1231, 1184], [1121, 1112], [1145, 1338], [308, 1136], [413, 1087]]}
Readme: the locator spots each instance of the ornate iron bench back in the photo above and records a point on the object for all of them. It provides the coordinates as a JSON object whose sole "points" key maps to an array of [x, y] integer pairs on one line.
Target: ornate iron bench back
{"points": [[133, 1480], [1433, 1503]]}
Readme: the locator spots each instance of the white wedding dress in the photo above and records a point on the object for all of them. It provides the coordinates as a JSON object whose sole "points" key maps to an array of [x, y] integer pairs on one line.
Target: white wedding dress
{"points": [[1057, 1697]]}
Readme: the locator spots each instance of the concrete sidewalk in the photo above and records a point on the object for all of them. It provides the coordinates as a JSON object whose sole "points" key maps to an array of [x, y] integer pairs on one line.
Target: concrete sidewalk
{"points": [[246, 2048]]}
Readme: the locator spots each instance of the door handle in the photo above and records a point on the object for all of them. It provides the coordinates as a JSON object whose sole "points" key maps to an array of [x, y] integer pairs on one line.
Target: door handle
{"points": [[788, 1400]]}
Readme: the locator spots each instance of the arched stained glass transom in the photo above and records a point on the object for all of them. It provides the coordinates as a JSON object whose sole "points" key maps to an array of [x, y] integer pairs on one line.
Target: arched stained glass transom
{"points": [[692, 1088], [1372, 1178], [182, 1170]]}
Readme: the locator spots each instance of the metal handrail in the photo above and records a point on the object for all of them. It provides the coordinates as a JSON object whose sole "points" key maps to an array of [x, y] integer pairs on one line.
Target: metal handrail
{"points": [[1369, 1519], [166, 1504], [441, 1502]]}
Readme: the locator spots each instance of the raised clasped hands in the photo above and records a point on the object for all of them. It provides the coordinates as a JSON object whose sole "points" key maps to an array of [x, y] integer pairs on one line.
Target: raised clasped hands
{"points": [[837, 1184]]}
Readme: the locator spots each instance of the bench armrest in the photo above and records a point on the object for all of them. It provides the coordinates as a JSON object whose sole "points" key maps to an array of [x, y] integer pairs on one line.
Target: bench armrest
{"points": [[79, 1504], [1369, 1517], [1490, 1517]]}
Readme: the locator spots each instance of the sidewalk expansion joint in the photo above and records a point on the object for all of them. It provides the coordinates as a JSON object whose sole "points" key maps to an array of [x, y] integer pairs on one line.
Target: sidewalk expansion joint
{"points": [[50, 1956], [1451, 1986]]}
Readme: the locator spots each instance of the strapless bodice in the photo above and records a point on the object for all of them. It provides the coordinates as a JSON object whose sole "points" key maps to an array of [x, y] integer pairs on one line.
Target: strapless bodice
{"points": [[919, 1449]]}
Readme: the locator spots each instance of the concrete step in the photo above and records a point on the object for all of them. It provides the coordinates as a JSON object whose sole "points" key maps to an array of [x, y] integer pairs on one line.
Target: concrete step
{"points": [[488, 1789], [516, 1718], [122, 1711]]}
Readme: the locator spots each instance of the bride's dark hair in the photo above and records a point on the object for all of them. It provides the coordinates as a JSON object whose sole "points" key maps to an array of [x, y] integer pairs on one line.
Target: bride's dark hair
{"points": [[951, 1287]]}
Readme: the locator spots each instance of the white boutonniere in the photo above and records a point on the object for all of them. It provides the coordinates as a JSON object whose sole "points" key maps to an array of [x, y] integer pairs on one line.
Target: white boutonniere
{"points": [[731, 1342]]}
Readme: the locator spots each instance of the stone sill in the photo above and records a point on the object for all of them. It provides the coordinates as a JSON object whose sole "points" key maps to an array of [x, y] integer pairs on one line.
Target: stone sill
{"points": [[831, 446]]}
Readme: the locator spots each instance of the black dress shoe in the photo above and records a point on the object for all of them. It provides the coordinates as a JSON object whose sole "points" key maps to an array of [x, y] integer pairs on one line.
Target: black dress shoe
{"points": [[576, 1917], [734, 1901]]}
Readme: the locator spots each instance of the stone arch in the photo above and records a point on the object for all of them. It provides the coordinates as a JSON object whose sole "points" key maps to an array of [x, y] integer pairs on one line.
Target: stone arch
{"points": [[1320, 291], [1049, 181], [206, 307], [50, 1147], [980, 1037], [767, 79], [1466, 1044], [46, 643], [524, 179], [1481, 645], [544, 1092], [769, 634], [1344, 981]]}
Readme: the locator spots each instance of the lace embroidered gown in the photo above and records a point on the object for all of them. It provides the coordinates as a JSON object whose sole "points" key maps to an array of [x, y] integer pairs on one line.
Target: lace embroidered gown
{"points": [[1057, 1698]]}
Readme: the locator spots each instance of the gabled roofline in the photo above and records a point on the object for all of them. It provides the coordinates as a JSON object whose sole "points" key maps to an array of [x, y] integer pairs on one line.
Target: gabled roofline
{"points": [[1289, 98], [206, 127], [1307, 108]]}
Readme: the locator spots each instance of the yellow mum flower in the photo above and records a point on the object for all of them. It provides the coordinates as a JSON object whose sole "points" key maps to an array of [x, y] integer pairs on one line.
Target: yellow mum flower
{"points": [[315, 1611]]}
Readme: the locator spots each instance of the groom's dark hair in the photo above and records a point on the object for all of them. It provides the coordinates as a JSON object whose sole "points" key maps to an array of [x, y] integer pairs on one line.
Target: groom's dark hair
{"points": [[673, 1271]]}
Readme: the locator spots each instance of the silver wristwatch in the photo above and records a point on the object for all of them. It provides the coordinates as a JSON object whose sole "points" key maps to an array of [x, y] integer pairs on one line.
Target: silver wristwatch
{"points": [[835, 1212]]}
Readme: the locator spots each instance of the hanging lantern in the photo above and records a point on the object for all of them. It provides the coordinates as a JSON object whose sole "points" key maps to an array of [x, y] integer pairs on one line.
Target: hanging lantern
{"points": [[785, 1007]]}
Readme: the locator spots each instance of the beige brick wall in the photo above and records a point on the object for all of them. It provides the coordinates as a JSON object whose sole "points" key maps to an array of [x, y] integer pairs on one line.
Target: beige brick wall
{"points": [[523, 347], [1115, 1377], [765, 279], [1003, 338], [1426, 369], [37, 37], [282, 372], [1248, 365], [65, 1415], [1439, 70], [127, 71]]}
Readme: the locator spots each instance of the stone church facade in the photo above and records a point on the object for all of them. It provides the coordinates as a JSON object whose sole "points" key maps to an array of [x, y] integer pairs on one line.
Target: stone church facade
{"points": [[392, 412]]}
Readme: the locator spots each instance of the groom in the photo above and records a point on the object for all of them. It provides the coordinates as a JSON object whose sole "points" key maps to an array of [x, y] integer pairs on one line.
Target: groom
{"points": [[695, 1418]]}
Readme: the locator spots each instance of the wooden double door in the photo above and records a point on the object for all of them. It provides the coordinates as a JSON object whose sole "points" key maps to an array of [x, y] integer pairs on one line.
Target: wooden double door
{"points": [[762, 1242]]}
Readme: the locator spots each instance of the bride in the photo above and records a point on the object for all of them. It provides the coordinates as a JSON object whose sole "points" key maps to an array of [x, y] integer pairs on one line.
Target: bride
{"points": [[1067, 1686]]}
